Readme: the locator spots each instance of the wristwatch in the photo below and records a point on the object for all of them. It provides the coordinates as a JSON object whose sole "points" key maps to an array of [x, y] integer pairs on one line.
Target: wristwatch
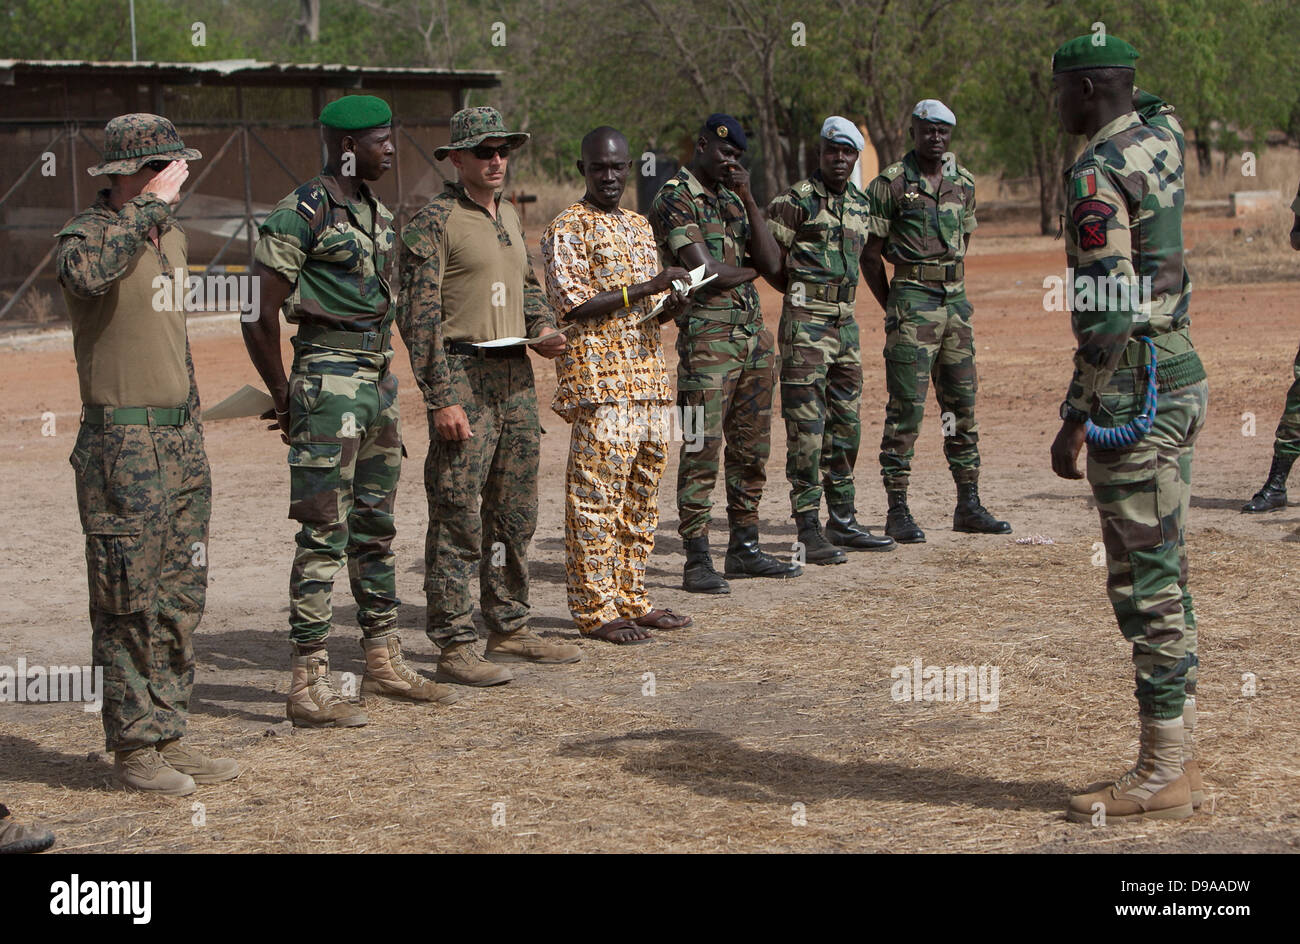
{"points": [[1070, 415]]}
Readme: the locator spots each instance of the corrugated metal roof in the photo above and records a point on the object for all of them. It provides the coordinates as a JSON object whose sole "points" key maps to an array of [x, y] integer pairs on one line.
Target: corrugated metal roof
{"points": [[233, 70]]}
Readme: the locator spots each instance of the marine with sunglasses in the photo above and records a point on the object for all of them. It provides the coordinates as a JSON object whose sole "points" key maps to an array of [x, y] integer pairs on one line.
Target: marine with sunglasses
{"points": [[465, 278]]}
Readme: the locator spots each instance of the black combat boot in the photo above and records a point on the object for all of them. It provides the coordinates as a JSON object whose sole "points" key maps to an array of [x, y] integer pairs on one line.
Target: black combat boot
{"points": [[1273, 495], [699, 576], [816, 549], [843, 529], [972, 517], [898, 523], [745, 559]]}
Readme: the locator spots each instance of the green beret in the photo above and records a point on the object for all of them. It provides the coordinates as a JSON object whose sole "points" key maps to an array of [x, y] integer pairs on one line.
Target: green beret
{"points": [[356, 113], [1084, 52]]}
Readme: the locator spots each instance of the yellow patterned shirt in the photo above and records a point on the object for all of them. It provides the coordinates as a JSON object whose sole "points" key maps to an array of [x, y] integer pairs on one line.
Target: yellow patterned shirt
{"points": [[615, 358]]}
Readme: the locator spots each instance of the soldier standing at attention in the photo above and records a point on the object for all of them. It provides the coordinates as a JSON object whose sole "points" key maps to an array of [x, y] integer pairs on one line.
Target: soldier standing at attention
{"points": [[1286, 442], [1124, 225], [706, 216], [922, 215], [465, 278], [324, 255], [821, 226], [603, 279], [144, 490]]}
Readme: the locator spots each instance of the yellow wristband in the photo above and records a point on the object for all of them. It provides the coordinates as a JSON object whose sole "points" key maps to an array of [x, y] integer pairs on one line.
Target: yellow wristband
{"points": [[626, 303]]}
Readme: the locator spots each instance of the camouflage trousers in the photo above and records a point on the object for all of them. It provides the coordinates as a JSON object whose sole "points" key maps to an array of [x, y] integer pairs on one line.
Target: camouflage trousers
{"points": [[1286, 443], [145, 497], [345, 456], [821, 387], [1142, 495], [611, 510], [928, 336], [729, 371], [482, 501]]}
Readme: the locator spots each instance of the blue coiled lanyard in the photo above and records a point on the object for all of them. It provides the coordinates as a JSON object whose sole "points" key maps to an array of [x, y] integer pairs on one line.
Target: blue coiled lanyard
{"points": [[1117, 437]]}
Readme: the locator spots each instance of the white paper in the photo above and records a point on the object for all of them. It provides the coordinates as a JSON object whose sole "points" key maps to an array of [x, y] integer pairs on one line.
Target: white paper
{"points": [[698, 278], [511, 342]]}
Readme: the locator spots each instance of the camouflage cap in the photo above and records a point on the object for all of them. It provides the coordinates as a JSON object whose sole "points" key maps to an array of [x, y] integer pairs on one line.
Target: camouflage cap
{"points": [[131, 141], [470, 127]]}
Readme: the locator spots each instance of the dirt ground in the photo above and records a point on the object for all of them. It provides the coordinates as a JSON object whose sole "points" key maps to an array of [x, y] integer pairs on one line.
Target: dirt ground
{"points": [[771, 725]]}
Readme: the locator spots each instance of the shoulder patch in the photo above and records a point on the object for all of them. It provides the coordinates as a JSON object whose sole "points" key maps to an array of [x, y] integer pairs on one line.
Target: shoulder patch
{"points": [[308, 200], [892, 171], [804, 188], [965, 175]]}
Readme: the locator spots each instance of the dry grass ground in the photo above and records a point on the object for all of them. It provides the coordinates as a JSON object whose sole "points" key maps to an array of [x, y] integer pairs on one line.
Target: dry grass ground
{"points": [[771, 726]]}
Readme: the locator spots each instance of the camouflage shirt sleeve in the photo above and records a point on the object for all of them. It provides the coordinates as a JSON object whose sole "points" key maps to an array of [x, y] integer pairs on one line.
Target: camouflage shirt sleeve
{"points": [[285, 238], [95, 251], [1102, 319], [539, 318], [968, 221], [675, 223], [785, 215], [880, 206], [419, 308]]}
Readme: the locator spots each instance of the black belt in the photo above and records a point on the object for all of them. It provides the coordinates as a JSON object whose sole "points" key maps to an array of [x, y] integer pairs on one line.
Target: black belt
{"points": [[135, 415], [465, 349], [348, 340]]}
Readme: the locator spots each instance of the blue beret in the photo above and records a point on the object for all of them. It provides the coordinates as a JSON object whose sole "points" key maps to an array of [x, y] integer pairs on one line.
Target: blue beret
{"points": [[356, 113], [725, 128]]}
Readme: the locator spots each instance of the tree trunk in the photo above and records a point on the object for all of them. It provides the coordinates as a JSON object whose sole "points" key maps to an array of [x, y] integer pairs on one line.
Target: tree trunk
{"points": [[309, 24]]}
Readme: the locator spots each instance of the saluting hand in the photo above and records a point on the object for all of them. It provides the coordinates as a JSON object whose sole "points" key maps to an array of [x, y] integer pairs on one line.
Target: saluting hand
{"points": [[166, 184]]}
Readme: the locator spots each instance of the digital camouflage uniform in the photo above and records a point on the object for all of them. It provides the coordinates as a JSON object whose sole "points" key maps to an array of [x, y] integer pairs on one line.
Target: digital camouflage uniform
{"points": [[823, 234], [144, 490], [928, 331], [345, 452], [1124, 220], [482, 492], [725, 359]]}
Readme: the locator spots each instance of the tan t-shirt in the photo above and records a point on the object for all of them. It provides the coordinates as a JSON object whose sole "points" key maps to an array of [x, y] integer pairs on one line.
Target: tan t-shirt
{"points": [[482, 279], [128, 332]]}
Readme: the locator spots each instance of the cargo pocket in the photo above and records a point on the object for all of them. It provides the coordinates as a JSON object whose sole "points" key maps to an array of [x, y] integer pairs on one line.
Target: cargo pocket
{"points": [[314, 482], [122, 562], [900, 371], [1116, 409]]}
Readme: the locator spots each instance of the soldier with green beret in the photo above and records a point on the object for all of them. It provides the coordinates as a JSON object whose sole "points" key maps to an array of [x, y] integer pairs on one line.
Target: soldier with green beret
{"points": [[922, 217], [144, 489], [1286, 442], [1138, 397], [821, 226], [324, 255]]}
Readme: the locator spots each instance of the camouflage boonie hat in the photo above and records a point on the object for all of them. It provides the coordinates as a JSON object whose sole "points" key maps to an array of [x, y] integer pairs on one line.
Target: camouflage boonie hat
{"points": [[470, 127], [131, 141]]}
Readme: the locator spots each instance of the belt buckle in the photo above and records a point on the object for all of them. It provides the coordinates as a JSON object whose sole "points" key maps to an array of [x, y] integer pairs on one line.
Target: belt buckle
{"points": [[369, 340]]}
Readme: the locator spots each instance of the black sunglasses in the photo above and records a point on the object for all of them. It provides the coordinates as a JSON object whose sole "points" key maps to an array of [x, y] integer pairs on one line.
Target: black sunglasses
{"points": [[485, 153], [158, 166]]}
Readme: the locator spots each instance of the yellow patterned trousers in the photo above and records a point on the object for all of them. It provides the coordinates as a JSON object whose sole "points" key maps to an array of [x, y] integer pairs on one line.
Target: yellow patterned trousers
{"points": [[617, 456]]}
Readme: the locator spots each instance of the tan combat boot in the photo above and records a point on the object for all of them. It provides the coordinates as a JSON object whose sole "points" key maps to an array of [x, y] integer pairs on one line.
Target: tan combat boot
{"points": [[388, 674], [314, 702], [1190, 766], [201, 767], [526, 646], [146, 769], [459, 663], [1156, 787]]}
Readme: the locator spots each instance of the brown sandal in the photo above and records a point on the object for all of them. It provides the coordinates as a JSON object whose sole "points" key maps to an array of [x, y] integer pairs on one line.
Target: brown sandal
{"points": [[616, 631], [663, 619]]}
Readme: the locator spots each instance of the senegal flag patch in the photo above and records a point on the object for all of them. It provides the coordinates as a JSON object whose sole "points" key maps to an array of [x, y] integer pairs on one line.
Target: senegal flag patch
{"points": [[1085, 184]]}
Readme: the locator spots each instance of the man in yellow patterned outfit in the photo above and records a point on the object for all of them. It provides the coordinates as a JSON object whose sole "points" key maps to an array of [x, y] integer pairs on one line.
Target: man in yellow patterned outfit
{"points": [[602, 280]]}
